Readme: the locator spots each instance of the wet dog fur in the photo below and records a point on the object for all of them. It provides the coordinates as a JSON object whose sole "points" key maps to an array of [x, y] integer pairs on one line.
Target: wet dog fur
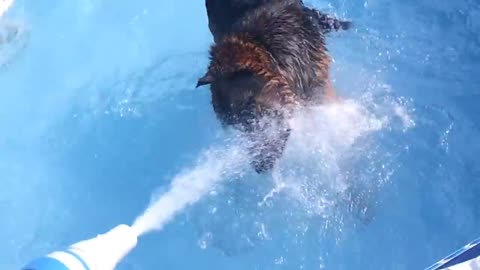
{"points": [[268, 58], [223, 14]]}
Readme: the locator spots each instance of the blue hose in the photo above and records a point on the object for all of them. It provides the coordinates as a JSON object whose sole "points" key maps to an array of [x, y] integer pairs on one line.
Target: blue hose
{"points": [[64, 260], [45, 263], [102, 252], [465, 254]]}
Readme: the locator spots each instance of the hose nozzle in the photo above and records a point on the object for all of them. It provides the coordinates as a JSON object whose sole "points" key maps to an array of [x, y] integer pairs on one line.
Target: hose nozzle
{"points": [[103, 252]]}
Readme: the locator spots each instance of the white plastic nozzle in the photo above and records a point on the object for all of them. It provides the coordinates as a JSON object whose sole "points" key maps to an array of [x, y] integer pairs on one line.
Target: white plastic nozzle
{"points": [[105, 251]]}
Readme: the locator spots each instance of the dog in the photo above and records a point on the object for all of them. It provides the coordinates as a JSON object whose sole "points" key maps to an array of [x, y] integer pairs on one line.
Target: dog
{"points": [[269, 57], [222, 15]]}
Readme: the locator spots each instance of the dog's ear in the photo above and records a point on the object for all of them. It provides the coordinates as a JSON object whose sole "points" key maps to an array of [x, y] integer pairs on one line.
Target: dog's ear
{"points": [[206, 79]]}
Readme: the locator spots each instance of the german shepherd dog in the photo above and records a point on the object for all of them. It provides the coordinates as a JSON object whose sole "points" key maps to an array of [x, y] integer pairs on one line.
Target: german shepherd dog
{"points": [[269, 57]]}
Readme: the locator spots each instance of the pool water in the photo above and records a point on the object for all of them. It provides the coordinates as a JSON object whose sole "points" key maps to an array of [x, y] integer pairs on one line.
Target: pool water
{"points": [[98, 113]]}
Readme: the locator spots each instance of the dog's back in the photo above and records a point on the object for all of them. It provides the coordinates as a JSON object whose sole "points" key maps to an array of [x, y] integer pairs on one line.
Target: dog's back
{"points": [[223, 14], [293, 33], [297, 45]]}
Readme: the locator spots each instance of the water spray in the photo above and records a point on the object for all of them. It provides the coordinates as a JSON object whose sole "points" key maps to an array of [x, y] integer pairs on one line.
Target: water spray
{"points": [[105, 251]]}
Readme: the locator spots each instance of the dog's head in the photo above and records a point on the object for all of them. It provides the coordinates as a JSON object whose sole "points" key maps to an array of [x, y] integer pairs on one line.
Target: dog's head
{"points": [[248, 89], [244, 79]]}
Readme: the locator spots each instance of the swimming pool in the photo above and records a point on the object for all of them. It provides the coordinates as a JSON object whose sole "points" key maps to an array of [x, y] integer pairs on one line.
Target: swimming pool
{"points": [[98, 111]]}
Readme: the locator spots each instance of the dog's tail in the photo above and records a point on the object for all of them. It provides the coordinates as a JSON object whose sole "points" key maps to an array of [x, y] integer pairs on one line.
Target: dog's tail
{"points": [[327, 23]]}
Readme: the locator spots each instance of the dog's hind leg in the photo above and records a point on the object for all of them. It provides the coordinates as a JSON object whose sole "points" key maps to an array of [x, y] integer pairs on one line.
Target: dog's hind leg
{"points": [[327, 23]]}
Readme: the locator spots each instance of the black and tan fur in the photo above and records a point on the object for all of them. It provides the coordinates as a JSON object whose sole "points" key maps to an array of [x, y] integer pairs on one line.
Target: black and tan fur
{"points": [[269, 57]]}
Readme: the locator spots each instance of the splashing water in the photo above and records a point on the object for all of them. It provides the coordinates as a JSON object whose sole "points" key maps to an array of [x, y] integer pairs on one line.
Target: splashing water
{"points": [[189, 187], [321, 136], [313, 172], [331, 162], [324, 138]]}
